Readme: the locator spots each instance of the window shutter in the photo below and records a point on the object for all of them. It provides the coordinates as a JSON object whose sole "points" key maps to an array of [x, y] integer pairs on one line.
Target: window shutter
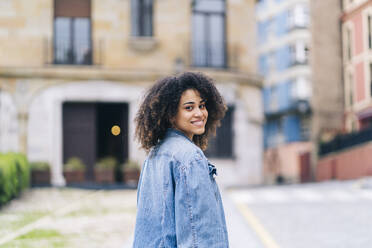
{"points": [[72, 8]]}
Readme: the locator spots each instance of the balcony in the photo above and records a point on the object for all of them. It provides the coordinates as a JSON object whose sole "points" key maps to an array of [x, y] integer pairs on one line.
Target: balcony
{"points": [[211, 55], [61, 52]]}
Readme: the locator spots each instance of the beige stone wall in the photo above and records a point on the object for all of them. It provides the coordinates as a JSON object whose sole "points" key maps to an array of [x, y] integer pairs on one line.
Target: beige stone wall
{"points": [[24, 28], [241, 34], [326, 64]]}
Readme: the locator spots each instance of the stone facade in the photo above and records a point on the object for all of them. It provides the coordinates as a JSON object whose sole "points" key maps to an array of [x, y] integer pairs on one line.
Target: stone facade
{"points": [[326, 66], [33, 89]]}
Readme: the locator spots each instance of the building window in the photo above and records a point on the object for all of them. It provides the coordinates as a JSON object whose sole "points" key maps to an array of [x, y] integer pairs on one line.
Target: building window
{"points": [[299, 53], [349, 52], [305, 127], [350, 95], [274, 98], [142, 17], [298, 17], [271, 62], [208, 34], [301, 89], [72, 32]]}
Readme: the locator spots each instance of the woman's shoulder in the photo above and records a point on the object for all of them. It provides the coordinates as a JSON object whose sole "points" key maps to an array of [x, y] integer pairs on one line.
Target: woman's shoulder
{"points": [[180, 149]]}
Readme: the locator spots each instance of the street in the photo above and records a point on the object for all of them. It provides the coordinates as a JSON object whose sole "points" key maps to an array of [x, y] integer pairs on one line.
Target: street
{"points": [[323, 215]]}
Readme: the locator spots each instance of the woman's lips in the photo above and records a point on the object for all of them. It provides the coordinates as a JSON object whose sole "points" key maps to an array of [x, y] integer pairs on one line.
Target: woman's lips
{"points": [[198, 123]]}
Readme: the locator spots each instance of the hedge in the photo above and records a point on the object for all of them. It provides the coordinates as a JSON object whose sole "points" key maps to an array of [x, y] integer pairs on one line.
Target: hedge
{"points": [[14, 175]]}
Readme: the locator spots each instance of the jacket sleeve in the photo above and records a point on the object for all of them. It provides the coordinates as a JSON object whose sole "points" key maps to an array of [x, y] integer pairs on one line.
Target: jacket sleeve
{"points": [[198, 207]]}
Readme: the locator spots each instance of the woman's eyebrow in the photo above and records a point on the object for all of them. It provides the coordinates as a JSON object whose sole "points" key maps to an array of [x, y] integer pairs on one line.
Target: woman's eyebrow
{"points": [[202, 101], [189, 103]]}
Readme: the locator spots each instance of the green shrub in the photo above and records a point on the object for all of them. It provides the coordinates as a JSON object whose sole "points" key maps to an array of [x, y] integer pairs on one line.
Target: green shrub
{"points": [[74, 163], [131, 165], [43, 166], [14, 175], [107, 163]]}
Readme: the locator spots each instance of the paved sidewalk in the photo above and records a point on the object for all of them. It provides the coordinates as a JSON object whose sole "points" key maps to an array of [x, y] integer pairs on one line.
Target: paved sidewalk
{"points": [[51, 217]]}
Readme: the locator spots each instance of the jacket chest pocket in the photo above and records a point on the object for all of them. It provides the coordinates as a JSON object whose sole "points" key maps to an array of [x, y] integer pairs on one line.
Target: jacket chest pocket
{"points": [[212, 175]]}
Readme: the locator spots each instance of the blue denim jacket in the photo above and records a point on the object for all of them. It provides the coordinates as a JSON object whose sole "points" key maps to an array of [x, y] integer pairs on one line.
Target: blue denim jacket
{"points": [[178, 201]]}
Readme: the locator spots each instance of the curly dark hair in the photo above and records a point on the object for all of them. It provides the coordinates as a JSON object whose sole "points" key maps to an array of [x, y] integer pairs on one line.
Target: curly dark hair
{"points": [[161, 102]]}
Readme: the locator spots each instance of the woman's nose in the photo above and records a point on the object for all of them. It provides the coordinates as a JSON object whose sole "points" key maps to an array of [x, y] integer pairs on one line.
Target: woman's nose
{"points": [[198, 112]]}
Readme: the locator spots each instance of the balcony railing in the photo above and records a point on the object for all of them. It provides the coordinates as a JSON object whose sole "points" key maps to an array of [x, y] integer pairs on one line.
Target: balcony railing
{"points": [[212, 54], [345, 141], [79, 53]]}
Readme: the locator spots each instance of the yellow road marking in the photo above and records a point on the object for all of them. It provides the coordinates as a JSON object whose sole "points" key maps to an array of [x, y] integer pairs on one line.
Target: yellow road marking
{"points": [[256, 225]]}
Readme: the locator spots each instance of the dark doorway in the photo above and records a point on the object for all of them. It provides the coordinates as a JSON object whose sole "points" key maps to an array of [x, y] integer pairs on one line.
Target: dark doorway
{"points": [[87, 132], [108, 144]]}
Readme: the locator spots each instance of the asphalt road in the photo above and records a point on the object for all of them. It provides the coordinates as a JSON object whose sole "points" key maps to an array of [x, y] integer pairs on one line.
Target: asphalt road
{"points": [[323, 215]]}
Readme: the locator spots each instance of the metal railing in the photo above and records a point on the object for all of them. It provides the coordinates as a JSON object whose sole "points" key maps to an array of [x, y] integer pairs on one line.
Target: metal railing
{"points": [[79, 53], [211, 54], [341, 142]]}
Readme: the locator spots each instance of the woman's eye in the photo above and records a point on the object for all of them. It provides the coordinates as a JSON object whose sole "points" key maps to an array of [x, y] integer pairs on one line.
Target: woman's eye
{"points": [[188, 108], [202, 106]]}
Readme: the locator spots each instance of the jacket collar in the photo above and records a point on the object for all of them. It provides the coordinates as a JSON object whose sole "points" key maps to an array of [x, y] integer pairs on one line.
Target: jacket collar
{"points": [[175, 132]]}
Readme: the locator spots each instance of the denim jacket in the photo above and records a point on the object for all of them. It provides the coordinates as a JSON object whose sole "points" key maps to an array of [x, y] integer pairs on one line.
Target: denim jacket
{"points": [[178, 201]]}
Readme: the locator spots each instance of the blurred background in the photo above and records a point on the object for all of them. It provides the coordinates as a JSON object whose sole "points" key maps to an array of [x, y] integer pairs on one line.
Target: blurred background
{"points": [[296, 76]]}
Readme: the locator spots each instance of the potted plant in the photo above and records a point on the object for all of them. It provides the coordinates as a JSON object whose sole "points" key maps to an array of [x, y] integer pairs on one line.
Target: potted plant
{"points": [[104, 170], [131, 172], [74, 170], [40, 173]]}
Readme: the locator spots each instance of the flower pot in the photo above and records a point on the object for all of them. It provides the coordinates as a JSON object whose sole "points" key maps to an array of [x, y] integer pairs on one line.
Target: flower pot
{"points": [[40, 177], [131, 176], [104, 175], [74, 176]]}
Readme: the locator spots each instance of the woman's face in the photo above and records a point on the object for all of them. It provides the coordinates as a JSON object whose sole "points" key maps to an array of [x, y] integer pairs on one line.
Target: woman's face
{"points": [[192, 114]]}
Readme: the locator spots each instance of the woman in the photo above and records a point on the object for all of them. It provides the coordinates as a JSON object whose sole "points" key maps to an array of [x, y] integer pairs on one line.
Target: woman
{"points": [[178, 201]]}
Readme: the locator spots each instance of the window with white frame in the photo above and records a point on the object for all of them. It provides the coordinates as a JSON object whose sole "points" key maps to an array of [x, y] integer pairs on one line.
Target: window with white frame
{"points": [[348, 44], [350, 90], [298, 16], [271, 62], [299, 53], [270, 28], [301, 89], [274, 99]]}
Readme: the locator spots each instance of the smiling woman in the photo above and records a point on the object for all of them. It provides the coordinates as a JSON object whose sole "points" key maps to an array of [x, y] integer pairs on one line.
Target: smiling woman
{"points": [[179, 203]]}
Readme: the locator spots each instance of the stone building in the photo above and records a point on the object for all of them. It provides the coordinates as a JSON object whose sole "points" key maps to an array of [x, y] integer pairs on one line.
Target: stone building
{"points": [[71, 69], [357, 63], [283, 42], [300, 58], [347, 156]]}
